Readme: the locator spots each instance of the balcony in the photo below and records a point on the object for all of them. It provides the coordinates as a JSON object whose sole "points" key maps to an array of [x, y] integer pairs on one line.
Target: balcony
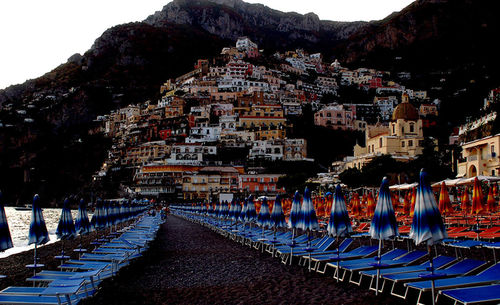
{"points": [[472, 158]]}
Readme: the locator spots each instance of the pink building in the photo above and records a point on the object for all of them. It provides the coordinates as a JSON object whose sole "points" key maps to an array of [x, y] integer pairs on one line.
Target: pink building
{"points": [[335, 117]]}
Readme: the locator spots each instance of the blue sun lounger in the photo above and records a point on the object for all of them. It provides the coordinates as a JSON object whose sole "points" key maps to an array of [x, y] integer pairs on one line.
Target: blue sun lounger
{"points": [[464, 267], [403, 260], [304, 256], [325, 243], [473, 295], [60, 292], [438, 262], [488, 276], [363, 251], [392, 254]]}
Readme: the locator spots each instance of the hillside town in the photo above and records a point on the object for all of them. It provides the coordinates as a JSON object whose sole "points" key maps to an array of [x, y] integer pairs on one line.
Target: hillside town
{"points": [[204, 137]]}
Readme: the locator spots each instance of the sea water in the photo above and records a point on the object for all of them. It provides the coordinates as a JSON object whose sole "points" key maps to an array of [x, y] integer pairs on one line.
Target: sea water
{"points": [[19, 225]]}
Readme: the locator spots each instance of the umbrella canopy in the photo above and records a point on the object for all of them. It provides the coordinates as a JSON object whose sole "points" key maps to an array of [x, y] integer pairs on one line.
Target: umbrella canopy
{"points": [[230, 213], [66, 227], [308, 219], [370, 205], [243, 211], [264, 217], [407, 203], [82, 223], [250, 214], [490, 202], [355, 205], [293, 220], [477, 198], [465, 202], [444, 200], [413, 200], [5, 239], [99, 218], [339, 224], [277, 216], [384, 225], [38, 234], [427, 225]]}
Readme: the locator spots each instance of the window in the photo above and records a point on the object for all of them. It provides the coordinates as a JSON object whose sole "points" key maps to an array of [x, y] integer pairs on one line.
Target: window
{"points": [[412, 128], [402, 143], [410, 143], [402, 129], [380, 142], [493, 150], [393, 128]]}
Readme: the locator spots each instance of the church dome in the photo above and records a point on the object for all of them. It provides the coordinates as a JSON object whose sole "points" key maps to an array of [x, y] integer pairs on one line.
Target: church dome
{"points": [[405, 111]]}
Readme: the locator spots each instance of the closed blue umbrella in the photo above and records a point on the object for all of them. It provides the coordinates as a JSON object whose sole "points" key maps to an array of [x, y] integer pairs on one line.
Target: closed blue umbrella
{"points": [[293, 220], [98, 219], [66, 227], [339, 224], [277, 216], [383, 225], [250, 213], [38, 234], [5, 239], [427, 225], [230, 213], [82, 223], [308, 220], [243, 211], [264, 217]]}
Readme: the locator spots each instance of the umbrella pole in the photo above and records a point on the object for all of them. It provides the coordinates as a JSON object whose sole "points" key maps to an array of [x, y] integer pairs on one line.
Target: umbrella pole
{"points": [[378, 269], [309, 246], [291, 247], [429, 250], [338, 258]]}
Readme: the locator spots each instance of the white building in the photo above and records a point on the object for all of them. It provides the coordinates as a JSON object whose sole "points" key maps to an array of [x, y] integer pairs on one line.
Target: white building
{"points": [[268, 150], [190, 153], [204, 134], [244, 44]]}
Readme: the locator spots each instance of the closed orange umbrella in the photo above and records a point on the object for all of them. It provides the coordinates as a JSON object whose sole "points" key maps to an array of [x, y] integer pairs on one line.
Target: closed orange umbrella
{"points": [[465, 202], [477, 198], [490, 202], [355, 205], [370, 205], [407, 203], [495, 190], [413, 200], [444, 200]]}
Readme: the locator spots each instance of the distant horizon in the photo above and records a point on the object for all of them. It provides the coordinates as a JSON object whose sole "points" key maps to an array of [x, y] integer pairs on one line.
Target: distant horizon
{"points": [[39, 36]]}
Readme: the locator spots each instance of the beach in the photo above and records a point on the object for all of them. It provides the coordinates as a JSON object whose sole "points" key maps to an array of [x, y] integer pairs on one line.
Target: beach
{"points": [[14, 266], [190, 264]]}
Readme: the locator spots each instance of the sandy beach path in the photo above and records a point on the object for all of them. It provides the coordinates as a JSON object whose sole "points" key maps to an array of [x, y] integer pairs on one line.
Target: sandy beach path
{"points": [[190, 264]]}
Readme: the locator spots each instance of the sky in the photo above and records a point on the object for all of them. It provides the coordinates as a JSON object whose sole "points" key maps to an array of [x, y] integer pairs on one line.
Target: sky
{"points": [[37, 36]]}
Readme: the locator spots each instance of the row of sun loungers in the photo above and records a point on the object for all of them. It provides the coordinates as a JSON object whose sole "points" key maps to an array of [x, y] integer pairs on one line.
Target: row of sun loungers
{"points": [[80, 278], [402, 273]]}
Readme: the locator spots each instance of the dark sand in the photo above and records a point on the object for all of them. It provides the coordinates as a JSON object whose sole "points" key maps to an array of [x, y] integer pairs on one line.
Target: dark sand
{"points": [[14, 268], [190, 264]]}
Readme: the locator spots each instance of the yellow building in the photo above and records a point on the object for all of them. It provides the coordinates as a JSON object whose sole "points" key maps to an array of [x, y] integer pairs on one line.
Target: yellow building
{"points": [[402, 138], [263, 116], [480, 157]]}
